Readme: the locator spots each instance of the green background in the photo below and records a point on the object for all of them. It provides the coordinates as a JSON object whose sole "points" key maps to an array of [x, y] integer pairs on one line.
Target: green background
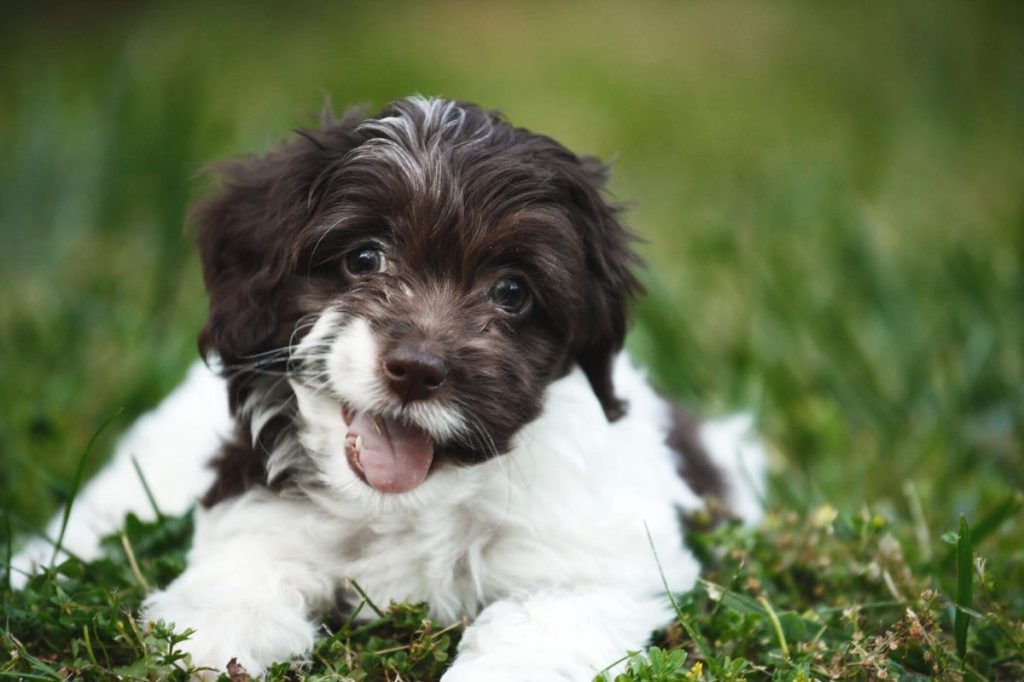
{"points": [[831, 194]]}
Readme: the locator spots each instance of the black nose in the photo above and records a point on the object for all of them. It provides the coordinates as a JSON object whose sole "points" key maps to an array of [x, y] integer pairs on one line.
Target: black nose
{"points": [[414, 374]]}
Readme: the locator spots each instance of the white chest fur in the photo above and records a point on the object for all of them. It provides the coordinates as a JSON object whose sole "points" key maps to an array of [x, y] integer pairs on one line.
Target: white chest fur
{"points": [[571, 505]]}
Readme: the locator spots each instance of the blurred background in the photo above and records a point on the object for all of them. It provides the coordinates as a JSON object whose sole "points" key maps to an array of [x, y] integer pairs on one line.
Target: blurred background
{"points": [[831, 197]]}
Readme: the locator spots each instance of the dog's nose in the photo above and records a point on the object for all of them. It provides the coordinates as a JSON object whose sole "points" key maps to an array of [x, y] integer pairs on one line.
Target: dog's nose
{"points": [[414, 374]]}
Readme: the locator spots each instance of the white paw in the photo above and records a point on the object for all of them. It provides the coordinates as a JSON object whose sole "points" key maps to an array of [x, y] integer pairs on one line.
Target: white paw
{"points": [[253, 632]]}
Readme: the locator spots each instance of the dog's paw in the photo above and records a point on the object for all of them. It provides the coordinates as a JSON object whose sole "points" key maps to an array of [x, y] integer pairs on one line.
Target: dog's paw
{"points": [[253, 635]]}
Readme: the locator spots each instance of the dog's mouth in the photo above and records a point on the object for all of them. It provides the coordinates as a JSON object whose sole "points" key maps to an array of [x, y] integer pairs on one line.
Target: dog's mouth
{"points": [[390, 455]]}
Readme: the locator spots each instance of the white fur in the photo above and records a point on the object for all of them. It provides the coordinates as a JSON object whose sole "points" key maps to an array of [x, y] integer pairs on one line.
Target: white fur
{"points": [[545, 548], [172, 446], [733, 445], [414, 146]]}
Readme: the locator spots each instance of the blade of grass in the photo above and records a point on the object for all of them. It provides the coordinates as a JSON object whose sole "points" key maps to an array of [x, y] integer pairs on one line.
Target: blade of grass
{"points": [[9, 556], [776, 624], [45, 671], [601, 674], [132, 563], [991, 522], [99, 642], [366, 598], [921, 531], [964, 585], [147, 489], [372, 625], [352, 617], [691, 630], [88, 648], [76, 482]]}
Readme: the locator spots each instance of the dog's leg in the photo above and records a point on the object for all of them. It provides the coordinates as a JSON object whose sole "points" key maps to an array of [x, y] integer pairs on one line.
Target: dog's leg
{"points": [[259, 573], [736, 450], [172, 446], [556, 636]]}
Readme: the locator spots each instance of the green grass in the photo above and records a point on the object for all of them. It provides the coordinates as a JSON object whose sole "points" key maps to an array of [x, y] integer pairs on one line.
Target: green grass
{"points": [[832, 198]]}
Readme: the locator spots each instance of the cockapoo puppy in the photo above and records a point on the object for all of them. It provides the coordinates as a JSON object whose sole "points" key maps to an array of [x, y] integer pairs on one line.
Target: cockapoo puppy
{"points": [[416, 322]]}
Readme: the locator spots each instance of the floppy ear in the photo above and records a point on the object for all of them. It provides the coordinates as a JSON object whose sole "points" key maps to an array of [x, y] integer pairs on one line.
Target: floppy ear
{"points": [[250, 232], [609, 285]]}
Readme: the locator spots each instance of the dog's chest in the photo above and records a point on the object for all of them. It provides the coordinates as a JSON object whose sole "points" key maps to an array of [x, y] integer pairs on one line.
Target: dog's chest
{"points": [[443, 560]]}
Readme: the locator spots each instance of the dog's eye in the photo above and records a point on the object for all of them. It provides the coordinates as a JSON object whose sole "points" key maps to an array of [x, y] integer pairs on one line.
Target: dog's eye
{"points": [[510, 294], [365, 260]]}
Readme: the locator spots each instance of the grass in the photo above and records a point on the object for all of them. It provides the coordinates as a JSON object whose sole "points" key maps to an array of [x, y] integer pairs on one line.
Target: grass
{"points": [[832, 198]]}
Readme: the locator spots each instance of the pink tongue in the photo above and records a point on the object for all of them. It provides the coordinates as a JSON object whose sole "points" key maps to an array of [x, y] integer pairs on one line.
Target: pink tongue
{"points": [[394, 457]]}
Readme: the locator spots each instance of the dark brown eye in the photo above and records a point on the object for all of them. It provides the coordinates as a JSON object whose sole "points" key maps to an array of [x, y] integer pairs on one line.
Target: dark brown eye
{"points": [[365, 260], [510, 294]]}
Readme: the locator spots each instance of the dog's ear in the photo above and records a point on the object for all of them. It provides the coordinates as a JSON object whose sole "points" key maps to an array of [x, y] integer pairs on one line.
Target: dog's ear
{"points": [[250, 231], [609, 285]]}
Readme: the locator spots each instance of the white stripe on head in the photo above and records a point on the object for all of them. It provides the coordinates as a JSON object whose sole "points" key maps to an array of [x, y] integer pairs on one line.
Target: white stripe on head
{"points": [[412, 140]]}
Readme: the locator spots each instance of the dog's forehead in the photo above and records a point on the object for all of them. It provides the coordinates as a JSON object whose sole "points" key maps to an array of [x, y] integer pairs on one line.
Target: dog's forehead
{"points": [[457, 188], [476, 244]]}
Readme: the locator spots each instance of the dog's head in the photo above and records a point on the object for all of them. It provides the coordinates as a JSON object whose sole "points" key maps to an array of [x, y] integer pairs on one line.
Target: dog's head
{"points": [[422, 274]]}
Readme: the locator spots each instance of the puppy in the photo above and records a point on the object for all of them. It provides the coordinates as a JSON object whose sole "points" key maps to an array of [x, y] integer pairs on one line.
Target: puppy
{"points": [[416, 321]]}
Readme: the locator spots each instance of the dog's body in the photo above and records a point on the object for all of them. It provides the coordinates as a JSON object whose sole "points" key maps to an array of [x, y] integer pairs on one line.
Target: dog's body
{"points": [[418, 317]]}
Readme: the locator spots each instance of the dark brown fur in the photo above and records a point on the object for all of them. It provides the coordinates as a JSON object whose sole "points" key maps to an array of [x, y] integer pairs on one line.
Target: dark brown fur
{"points": [[692, 460]]}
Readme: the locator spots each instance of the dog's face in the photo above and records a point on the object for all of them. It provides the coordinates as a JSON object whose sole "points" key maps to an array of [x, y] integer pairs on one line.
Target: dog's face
{"points": [[420, 277]]}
